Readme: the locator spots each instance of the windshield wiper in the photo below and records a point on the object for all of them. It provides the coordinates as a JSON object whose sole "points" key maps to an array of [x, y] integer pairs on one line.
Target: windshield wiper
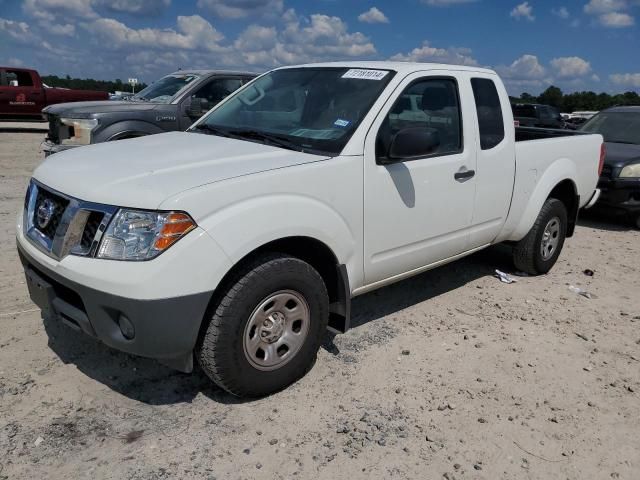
{"points": [[205, 128], [271, 138]]}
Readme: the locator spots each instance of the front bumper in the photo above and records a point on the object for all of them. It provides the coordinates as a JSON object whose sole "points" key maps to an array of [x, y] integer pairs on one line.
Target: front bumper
{"points": [[620, 194], [49, 148], [165, 329]]}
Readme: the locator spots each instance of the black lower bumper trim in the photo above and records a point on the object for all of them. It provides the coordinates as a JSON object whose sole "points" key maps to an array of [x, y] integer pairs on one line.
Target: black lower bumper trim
{"points": [[620, 194], [165, 329]]}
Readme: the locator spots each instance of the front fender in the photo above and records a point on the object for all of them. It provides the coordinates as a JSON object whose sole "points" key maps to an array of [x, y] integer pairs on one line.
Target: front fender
{"points": [[562, 169], [132, 127], [244, 226]]}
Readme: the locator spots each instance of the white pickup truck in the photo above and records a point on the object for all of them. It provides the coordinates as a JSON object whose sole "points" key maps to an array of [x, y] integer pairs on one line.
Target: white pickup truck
{"points": [[240, 241]]}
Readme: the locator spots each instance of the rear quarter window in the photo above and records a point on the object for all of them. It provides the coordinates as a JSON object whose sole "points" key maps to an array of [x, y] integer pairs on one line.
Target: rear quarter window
{"points": [[489, 110]]}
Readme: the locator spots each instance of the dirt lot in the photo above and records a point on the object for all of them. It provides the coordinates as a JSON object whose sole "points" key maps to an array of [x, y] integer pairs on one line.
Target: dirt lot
{"points": [[449, 375]]}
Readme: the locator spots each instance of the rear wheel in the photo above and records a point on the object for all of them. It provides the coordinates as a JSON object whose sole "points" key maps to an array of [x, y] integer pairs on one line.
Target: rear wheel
{"points": [[538, 252], [266, 329]]}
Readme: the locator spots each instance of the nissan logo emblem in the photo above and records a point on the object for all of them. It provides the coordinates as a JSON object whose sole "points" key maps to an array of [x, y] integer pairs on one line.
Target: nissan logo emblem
{"points": [[44, 213]]}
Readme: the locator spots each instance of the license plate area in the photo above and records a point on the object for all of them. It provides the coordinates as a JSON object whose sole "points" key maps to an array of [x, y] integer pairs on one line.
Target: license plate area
{"points": [[40, 291]]}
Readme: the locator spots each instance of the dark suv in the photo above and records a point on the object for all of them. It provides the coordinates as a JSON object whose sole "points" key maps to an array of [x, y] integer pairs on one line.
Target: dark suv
{"points": [[620, 179], [535, 115]]}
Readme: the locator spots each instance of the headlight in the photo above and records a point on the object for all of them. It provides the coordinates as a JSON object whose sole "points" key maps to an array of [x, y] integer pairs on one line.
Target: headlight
{"points": [[79, 131], [631, 171], [142, 235]]}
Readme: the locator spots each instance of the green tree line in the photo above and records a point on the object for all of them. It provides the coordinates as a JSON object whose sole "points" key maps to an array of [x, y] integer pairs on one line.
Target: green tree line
{"points": [[90, 84], [578, 100]]}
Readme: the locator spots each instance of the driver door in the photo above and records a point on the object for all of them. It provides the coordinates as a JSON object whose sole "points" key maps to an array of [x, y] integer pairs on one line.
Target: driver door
{"points": [[418, 211]]}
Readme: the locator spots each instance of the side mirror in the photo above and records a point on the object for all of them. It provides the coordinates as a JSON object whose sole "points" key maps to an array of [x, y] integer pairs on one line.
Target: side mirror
{"points": [[198, 107], [413, 142]]}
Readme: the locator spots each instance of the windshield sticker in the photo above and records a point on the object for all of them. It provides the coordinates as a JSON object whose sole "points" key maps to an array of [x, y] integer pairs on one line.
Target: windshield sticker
{"points": [[316, 134], [341, 123], [365, 74]]}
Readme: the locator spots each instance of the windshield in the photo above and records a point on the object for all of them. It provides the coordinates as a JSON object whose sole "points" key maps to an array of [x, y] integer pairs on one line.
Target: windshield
{"points": [[165, 89], [615, 127], [313, 110]]}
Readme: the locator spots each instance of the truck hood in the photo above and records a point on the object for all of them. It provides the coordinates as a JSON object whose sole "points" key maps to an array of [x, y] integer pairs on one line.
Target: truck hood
{"points": [[86, 109], [621, 154], [143, 172]]}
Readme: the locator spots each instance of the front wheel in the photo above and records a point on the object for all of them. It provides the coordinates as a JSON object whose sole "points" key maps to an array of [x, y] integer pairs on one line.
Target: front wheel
{"points": [[266, 329], [538, 252]]}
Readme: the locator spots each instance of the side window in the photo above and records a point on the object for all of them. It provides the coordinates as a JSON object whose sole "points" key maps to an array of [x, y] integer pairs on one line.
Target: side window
{"points": [[19, 78], [545, 113], [489, 109], [217, 90], [427, 108]]}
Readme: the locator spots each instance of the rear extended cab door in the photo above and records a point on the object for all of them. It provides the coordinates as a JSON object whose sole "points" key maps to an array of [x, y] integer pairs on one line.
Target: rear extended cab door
{"points": [[21, 93], [495, 157]]}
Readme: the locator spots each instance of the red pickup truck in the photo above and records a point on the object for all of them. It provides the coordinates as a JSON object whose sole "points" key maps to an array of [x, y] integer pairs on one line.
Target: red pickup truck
{"points": [[23, 95]]}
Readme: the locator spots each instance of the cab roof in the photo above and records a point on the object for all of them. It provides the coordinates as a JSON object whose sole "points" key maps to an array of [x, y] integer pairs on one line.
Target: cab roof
{"points": [[203, 72], [400, 67]]}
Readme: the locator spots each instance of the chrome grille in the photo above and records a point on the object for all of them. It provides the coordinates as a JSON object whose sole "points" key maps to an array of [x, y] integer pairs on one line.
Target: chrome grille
{"points": [[53, 206], [60, 225], [90, 229]]}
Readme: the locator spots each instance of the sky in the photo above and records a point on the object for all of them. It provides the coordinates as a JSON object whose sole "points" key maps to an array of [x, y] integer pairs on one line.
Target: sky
{"points": [[576, 44]]}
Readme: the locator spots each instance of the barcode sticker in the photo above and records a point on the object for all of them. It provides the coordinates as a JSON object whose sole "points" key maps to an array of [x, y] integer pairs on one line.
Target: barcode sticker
{"points": [[365, 74]]}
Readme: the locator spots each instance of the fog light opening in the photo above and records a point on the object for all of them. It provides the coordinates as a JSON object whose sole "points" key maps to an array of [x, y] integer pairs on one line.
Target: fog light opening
{"points": [[126, 327]]}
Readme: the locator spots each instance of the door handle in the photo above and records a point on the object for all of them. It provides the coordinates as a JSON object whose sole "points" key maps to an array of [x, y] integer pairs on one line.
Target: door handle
{"points": [[463, 175]]}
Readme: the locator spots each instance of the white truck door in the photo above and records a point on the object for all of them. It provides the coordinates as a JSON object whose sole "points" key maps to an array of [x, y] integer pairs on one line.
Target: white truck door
{"points": [[496, 160], [418, 210]]}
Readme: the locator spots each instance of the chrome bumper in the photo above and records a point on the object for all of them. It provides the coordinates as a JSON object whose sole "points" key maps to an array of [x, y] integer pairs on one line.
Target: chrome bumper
{"points": [[49, 148]]}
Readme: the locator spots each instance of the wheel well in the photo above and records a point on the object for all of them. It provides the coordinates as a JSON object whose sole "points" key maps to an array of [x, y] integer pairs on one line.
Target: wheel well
{"points": [[566, 192], [319, 256], [312, 251], [126, 135]]}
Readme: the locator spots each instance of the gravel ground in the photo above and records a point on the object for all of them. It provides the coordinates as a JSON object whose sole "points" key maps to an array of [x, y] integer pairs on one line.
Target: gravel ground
{"points": [[451, 374]]}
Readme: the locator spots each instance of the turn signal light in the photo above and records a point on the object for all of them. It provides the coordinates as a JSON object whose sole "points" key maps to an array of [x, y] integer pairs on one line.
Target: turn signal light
{"points": [[603, 154], [176, 225]]}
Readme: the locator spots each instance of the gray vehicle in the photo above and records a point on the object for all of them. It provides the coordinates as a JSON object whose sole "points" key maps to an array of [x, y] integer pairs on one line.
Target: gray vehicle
{"points": [[172, 103]]}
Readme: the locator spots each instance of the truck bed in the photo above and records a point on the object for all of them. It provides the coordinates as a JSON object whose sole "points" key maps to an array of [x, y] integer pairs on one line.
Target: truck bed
{"points": [[525, 134], [543, 158]]}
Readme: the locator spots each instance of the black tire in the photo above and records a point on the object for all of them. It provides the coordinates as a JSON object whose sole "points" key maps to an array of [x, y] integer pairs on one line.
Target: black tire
{"points": [[220, 350], [527, 253], [637, 221]]}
